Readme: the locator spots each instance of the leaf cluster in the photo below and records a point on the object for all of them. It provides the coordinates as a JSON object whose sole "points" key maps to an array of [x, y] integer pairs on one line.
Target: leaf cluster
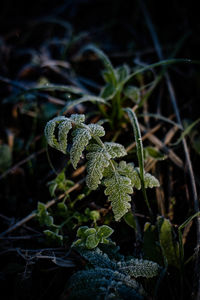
{"points": [[119, 178], [108, 278]]}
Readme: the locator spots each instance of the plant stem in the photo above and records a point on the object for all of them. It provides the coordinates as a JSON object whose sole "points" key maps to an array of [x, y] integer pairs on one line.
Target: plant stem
{"points": [[140, 154]]}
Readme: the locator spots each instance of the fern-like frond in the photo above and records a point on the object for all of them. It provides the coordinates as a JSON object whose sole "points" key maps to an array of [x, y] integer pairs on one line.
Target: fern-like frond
{"points": [[49, 131], [63, 130], [139, 268], [77, 118], [99, 283], [129, 171], [98, 159], [96, 130], [80, 141], [97, 258], [115, 149], [118, 189], [150, 181]]}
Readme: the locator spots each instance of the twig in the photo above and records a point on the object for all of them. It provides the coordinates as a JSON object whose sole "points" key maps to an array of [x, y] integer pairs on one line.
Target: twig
{"points": [[162, 146], [33, 214]]}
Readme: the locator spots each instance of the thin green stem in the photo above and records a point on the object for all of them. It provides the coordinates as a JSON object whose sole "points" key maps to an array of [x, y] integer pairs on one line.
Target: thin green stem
{"points": [[140, 154]]}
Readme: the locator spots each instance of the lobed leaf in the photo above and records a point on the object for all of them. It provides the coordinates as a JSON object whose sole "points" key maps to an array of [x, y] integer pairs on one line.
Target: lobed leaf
{"points": [[63, 130], [77, 118], [139, 268], [129, 171], [96, 130], [98, 160], [80, 141], [150, 181], [115, 149], [49, 131], [118, 189]]}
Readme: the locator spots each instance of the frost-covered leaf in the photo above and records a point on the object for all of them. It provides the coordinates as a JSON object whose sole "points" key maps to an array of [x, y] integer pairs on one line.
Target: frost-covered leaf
{"points": [[129, 171], [91, 237], [104, 231], [150, 181], [49, 131], [96, 130], [80, 141], [98, 159], [77, 118], [139, 268], [92, 241], [118, 189], [133, 93], [43, 215], [108, 91], [85, 98], [115, 149], [60, 183], [63, 130], [122, 72]]}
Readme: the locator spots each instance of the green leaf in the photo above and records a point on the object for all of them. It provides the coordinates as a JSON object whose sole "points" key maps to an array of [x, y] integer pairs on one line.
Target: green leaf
{"points": [[122, 72], [108, 91], [94, 215], [85, 98], [77, 118], [92, 241], [96, 130], [98, 159], [115, 149], [60, 183], [133, 93], [129, 171], [169, 245], [118, 189], [186, 132], [62, 209], [154, 153], [63, 130], [188, 220], [55, 87], [130, 220], [139, 268], [49, 131], [43, 216], [138, 140], [150, 181], [80, 141], [104, 231], [81, 231], [89, 231]]}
